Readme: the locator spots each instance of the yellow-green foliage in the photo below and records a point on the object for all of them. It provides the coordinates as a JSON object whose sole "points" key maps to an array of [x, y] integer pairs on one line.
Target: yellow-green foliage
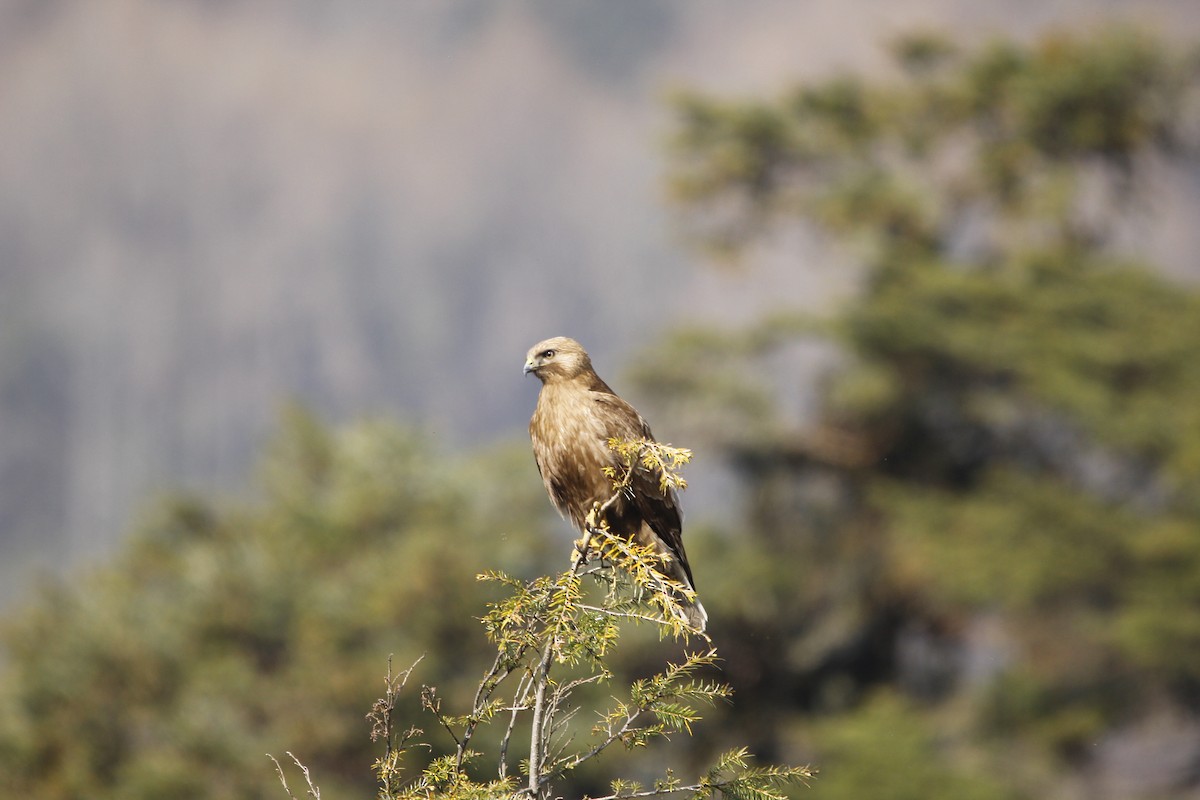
{"points": [[551, 646], [660, 459]]}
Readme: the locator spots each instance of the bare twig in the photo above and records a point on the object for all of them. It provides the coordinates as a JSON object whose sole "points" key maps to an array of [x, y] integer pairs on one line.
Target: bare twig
{"points": [[433, 704], [381, 723], [613, 735], [313, 791], [491, 681], [693, 788], [520, 703], [282, 777], [537, 744]]}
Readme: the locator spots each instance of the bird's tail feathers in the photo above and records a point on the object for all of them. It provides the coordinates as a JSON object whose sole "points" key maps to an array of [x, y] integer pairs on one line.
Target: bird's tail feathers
{"points": [[694, 614], [692, 610]]}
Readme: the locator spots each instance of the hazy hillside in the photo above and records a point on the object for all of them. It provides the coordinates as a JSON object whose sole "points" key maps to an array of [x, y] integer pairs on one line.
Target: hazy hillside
{"points": [[210, 208]]}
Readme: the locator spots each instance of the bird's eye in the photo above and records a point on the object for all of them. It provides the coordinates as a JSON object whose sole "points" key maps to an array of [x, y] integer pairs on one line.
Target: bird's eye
{"points": [[548, 354]]}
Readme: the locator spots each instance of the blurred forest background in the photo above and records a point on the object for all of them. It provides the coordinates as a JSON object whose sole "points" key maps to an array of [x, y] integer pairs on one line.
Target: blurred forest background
{"points": [[916, 280]]}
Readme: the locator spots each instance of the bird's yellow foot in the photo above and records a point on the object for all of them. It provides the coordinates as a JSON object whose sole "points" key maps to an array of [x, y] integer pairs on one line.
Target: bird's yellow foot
{"points": [[579, 550]]}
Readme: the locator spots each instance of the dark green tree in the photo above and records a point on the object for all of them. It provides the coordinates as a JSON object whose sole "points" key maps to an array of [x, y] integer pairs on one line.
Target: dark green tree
{"points": [[992, 512], [223, 633]]}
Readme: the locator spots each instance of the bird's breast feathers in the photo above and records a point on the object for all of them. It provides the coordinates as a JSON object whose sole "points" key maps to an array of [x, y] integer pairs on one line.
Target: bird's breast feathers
{"points": [[570, 444]]}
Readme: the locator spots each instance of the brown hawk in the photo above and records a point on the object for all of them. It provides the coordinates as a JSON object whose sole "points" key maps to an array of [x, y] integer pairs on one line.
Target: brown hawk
{"points": [[576, 415]]}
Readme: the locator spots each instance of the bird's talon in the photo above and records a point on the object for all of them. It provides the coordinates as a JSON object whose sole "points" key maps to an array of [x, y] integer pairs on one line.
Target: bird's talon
{"points": [[579, 550]]}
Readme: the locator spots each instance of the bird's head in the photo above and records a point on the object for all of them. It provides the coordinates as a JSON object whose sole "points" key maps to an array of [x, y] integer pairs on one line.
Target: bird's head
{"points": [[557, 359]]}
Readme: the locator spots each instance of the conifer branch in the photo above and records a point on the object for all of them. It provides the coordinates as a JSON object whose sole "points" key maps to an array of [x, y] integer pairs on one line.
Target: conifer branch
{"points": [[546, 622]]}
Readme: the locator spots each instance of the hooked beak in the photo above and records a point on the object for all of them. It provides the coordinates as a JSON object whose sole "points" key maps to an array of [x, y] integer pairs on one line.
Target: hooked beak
{"points": [[528, 368]]}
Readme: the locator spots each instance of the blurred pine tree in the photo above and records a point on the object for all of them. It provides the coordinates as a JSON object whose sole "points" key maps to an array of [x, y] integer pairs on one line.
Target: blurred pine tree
{"points": [[223, 634], [994, 511]]}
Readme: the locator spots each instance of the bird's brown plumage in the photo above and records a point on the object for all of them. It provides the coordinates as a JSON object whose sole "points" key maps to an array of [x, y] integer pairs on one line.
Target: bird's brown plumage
{"points": [[577, 413]]}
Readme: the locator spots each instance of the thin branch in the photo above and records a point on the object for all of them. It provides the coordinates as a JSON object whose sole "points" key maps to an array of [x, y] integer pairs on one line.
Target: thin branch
{"points": [[576, 683], [520, 703], [495, 676], [282, 778], [695, 787], [313, 791], [600, 747], [537, 745], [433, 704], [380, 717], [632, 615]]}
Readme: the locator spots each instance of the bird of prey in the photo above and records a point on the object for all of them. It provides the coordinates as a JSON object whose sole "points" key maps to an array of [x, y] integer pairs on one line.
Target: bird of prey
{"points": [[576, 416]]}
